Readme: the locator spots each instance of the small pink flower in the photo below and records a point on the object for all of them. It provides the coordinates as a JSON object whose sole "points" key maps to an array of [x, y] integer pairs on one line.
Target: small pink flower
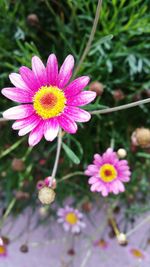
{"points": [[71, 219], [48, 100], [108, 173]]}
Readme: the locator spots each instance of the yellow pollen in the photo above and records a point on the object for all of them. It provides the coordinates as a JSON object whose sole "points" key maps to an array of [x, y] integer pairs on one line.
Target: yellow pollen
{"points": [[107, 173], [137, 253], [49, 102], [71, 218], [2, 250]]}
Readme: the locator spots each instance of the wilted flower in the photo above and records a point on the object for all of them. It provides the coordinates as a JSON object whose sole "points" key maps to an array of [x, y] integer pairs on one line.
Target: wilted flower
{"points": [[71, 219], [48, 101], [108, 173], [141, 137]]}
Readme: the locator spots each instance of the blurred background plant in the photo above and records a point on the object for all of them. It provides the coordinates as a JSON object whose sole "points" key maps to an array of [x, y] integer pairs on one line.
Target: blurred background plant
{"points": [[118, 62]]}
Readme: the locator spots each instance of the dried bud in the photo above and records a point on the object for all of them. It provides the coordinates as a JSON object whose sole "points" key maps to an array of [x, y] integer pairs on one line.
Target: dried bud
{"points": [[141, 137], [46, 195], [122, 239], [18, 165], [118, 95], [87, 206], [97, 87], [20, 195], [24, 248], [122, 153], [33, 19]]}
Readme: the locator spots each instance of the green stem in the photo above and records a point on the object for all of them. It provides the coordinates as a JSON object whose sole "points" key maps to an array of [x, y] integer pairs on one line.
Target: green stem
{"points": [[91, 37], [7, 212], [59, 143], [126, 106], [66, 177]]}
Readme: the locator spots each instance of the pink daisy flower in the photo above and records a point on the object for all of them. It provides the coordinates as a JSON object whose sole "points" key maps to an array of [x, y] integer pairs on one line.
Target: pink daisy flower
{"points": [[48, 100], [71, 219], [108, 173]]}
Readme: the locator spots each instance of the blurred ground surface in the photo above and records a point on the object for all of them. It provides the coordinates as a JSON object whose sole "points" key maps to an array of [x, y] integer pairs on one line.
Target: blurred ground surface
{"points": [[49, 245]]}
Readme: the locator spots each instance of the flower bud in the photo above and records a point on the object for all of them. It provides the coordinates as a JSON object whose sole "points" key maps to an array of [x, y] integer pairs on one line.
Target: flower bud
{"points": [[50, 182], [141, 137], [118, 95], [122, 153], [122, 239], [33, 19], [18, 165], [46, 195], [97, 87]]}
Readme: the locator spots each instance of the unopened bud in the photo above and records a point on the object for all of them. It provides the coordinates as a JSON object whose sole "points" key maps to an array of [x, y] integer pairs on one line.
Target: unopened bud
{"points": [[97, 87], [18, 165], [46, 195], [122, 239], [122, 153], [33, 19], [118, 95], [141, 137]]}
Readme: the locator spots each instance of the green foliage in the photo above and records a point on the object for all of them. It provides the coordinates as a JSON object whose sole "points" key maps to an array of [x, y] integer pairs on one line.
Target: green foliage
{"points": [[118, 58]]}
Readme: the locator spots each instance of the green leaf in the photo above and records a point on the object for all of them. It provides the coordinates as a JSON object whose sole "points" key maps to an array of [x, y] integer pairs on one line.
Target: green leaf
{"points": [[71, 155], [143, 155]]}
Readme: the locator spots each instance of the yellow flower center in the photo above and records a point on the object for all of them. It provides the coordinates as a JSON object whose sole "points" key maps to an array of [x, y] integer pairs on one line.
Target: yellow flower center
{"points": [[2, 250], [107, 173], [49, 102], [137, 253], [71, 218]]}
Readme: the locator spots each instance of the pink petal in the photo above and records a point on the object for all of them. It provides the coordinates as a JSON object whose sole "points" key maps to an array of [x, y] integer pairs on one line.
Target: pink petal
{"points": [[19, 124], [16, 94], [67, 124], [51, 129], [30, 125], [52, 70], [18, 112], [93, 180], [39, 70], [36, 135], [77, 114], [81, 99], [29, 78], [76, 86], [17, 81], [65, 72]]}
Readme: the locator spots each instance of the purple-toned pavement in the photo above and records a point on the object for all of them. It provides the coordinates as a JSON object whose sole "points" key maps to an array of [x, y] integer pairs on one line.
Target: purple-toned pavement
{"points": [[49, 246]]}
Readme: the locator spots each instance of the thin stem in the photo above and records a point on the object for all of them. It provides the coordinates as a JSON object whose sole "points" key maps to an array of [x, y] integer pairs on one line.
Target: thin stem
{"points": [[147, 219], [7, 212], [59, 143], [126, 106], [66, 177], [91, 37]]}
